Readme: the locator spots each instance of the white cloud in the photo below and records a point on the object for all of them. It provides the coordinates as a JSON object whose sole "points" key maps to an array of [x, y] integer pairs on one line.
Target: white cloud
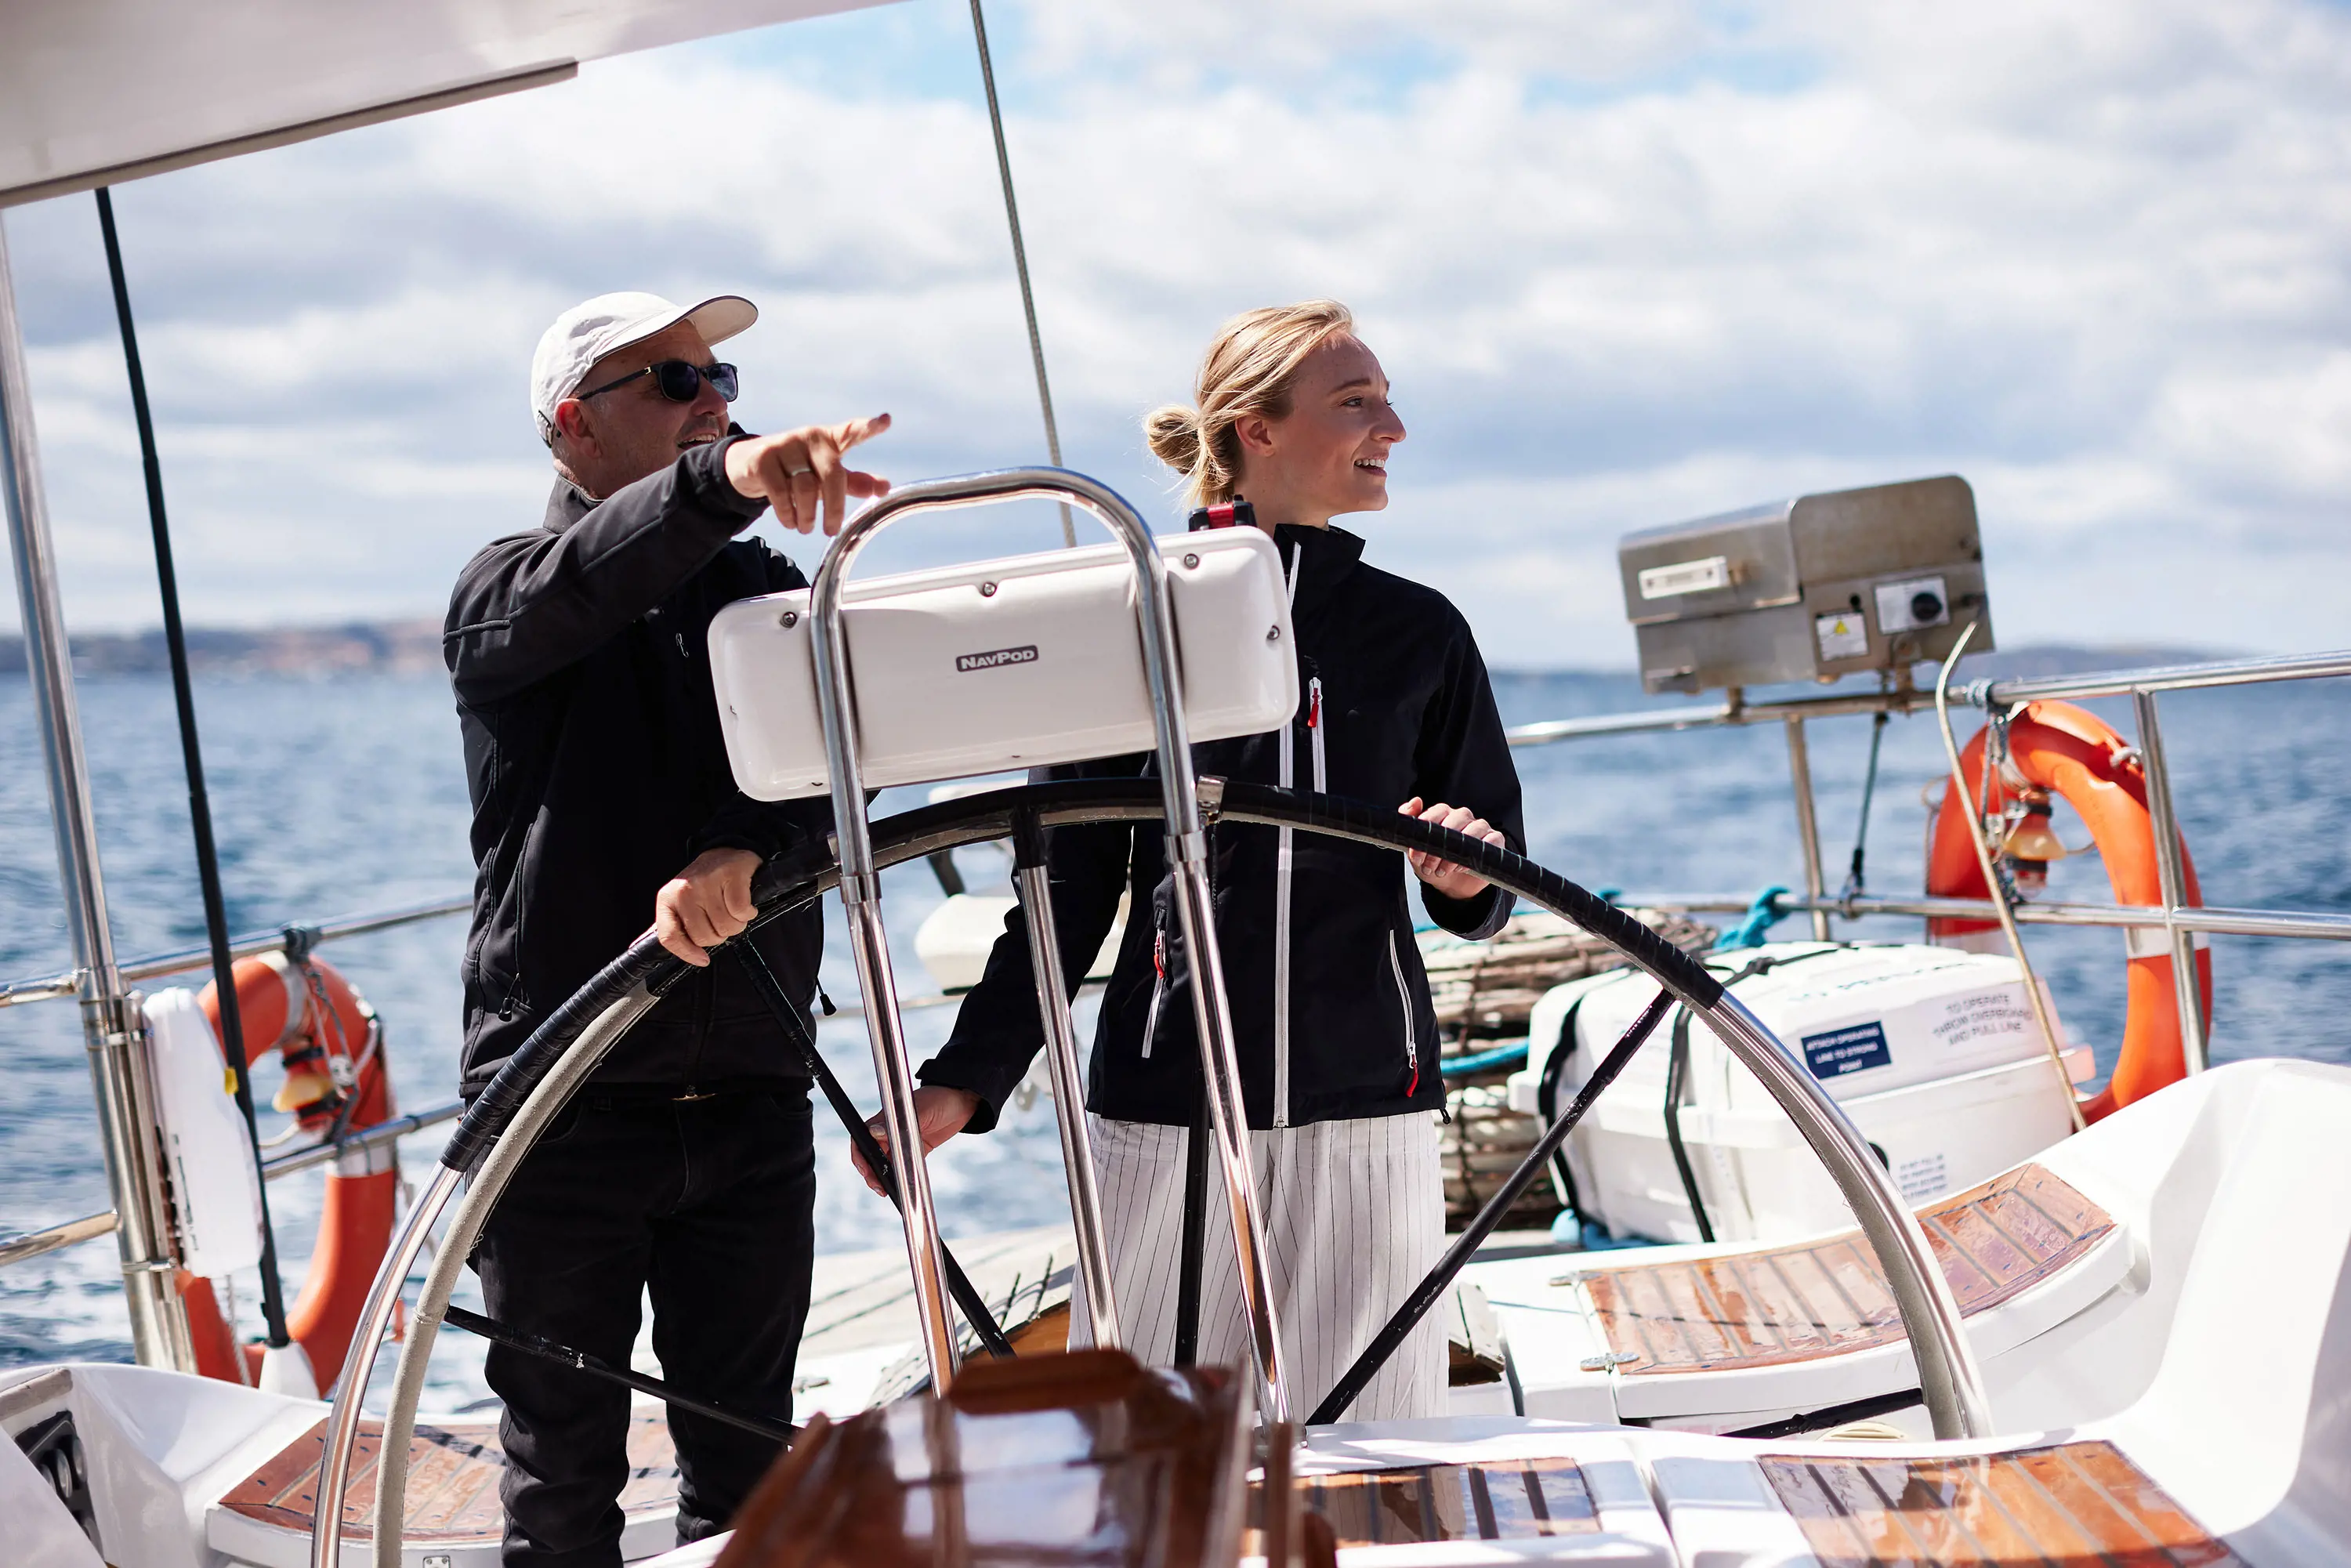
{"points": [[1626, 264]]}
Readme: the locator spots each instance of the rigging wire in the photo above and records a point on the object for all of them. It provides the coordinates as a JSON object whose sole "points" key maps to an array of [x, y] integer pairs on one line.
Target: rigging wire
{"points": [[1021, 261], [199, 810], [1855, 885]]}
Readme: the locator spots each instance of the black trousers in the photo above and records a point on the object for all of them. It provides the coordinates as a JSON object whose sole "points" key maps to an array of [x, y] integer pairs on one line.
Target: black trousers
{"points": [[709, 1206]]}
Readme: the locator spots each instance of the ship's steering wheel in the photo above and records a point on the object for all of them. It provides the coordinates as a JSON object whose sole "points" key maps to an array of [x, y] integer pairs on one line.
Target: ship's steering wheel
{"points": [[517, 1106]]}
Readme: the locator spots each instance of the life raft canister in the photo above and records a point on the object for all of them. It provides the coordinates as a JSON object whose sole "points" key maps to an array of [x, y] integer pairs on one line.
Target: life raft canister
{"points": [[329, 1043], [2055, 746]]}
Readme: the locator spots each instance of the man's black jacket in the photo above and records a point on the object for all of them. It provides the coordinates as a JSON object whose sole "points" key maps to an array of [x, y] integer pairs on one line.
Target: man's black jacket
{"points": [[598, 769], [1405, 708]]}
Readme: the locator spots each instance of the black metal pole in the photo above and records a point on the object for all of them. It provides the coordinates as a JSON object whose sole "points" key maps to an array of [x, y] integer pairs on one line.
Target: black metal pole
{"points": [[787, 1017], [1194, 1244], [199, 812], [1439, 1278], [1676, 1084], [1821, 1420], [580, 1361]]}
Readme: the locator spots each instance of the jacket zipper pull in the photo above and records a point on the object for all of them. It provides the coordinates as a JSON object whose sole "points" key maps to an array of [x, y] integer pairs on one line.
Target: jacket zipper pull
{"points": [[1314, 734], [1158, 990]]}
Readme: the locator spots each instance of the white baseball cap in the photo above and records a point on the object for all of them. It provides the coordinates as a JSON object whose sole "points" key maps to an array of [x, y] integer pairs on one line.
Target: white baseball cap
{"points": [[595, 328]]}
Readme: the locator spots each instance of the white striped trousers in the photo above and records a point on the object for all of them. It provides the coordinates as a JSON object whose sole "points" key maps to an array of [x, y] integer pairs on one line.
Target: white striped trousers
{"points": [[1354, 1216]]}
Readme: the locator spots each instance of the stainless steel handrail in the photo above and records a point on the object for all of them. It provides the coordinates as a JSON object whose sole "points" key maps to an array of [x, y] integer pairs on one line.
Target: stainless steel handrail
{"points": [[2161, 678], [362, 1140], [2176, 917], [1188, 862], [1906, 699], [2313, 926], [28, 1244], [1736, 713], [186, 960]]}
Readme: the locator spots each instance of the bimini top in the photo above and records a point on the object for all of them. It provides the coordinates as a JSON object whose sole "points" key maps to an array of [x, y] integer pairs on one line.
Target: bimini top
{"points": [[97, 91]]}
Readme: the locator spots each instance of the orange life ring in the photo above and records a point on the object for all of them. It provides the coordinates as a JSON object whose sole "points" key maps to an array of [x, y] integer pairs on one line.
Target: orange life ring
{"points": [[2055, 746], [331, 1044]]}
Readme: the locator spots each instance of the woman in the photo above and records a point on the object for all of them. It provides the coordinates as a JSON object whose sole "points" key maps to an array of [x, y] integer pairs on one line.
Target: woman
{"points": [[1332, 1018]]}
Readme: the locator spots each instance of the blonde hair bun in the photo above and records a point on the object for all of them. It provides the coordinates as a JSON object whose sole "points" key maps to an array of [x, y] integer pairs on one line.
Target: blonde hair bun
{"points": [[1249, 368], [1173, 432]]}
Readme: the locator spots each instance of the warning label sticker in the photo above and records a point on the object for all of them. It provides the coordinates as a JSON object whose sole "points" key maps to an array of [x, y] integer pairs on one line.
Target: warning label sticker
{"points": [[1842, 636], [1843, 1051], [1922, 1177]]}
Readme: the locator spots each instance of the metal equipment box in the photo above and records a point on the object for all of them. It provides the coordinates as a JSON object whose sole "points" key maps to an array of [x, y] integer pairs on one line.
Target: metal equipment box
{"points": [[1808, 589]]}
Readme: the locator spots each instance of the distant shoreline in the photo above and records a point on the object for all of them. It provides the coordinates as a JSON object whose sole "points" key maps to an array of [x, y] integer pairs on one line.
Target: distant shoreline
{"points": [[414, 647], [356, 647]]}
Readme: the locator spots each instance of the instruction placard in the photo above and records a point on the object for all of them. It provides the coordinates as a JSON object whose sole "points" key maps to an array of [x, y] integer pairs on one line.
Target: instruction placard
{"points": [[1843, 1051]]}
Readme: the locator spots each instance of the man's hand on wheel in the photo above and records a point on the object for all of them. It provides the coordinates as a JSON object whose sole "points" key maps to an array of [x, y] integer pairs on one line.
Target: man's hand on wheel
{"points": [[802, 471], [940, 1113], [1452, 881], [705, 903]]}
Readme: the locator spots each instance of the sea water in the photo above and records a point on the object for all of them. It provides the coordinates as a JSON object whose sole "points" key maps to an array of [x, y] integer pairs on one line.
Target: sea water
{"points": [[345, 794]]}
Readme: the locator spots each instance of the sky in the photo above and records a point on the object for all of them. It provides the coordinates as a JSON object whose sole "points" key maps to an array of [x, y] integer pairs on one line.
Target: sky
{"points": [[1626, 266]]}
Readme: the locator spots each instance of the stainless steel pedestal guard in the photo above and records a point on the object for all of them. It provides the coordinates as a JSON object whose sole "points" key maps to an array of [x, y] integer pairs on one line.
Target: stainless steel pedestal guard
{"points": [[1187, 854], [1068, 1087]]}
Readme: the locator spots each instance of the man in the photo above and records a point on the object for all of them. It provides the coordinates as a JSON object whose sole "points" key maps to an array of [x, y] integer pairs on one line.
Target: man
{"points": [[602, 802]]}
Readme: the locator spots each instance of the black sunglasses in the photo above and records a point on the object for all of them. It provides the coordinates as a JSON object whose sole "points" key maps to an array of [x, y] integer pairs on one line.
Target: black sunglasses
{"points": [[679, 381]]}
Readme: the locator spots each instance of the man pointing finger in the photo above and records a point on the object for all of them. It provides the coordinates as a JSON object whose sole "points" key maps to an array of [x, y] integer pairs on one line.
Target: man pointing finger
{"points": [[603, 803], [800, 468]]}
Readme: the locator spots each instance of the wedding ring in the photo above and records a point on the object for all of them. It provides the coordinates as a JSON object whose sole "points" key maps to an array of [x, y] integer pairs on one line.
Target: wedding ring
{"points": [[798, 473]]}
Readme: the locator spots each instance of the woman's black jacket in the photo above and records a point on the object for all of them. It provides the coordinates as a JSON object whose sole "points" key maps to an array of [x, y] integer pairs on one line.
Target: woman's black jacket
{"points": [[1394, 703]]}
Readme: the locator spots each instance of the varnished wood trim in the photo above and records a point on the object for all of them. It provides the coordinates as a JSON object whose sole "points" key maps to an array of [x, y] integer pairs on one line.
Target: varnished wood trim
{"points": [[1509, 1499], [1780, 1304], [452, 1481], [2074, 1503]]}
